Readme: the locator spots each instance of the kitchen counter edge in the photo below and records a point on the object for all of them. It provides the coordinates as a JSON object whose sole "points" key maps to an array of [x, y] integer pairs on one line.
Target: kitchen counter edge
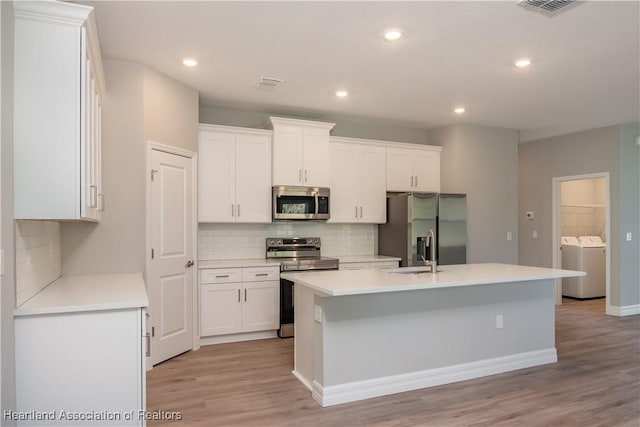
{"points": [[362, 282], [86, 293]]}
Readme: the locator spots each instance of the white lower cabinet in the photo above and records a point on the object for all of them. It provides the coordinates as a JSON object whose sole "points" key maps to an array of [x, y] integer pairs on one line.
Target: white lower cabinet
{"points": [[71, 366], [239, 300], [380, 265]]}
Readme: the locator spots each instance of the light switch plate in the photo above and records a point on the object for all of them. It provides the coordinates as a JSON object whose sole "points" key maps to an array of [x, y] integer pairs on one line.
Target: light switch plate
{"points": [[1, 262], [499, 321], [509, 235], [629, 237], [317, 313], [534, 234]]}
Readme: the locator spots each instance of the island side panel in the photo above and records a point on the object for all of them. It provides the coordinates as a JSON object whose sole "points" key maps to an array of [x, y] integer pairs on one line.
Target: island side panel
{"points": [[368, 337], [304, 335]]}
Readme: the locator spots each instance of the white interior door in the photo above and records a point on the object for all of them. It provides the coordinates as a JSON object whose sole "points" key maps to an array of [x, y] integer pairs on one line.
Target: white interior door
{"points": [[170, 268]]}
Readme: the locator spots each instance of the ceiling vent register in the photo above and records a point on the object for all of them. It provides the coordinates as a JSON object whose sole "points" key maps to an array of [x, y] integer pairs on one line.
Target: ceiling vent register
{"points": [[548, 7], [268, 83]]}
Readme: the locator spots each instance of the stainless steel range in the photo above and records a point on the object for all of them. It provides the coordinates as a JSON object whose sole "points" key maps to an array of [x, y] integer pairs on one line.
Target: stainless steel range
{"points": [[295, 254]]}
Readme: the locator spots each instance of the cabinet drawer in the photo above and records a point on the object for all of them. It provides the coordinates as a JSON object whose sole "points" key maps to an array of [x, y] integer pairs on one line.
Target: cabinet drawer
{"points": [[221, 275], [355, 266], [384, 264], [255, 274]]}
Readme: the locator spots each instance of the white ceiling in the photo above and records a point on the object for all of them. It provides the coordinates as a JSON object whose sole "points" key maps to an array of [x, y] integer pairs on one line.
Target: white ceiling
{"points": [[585, 70]]}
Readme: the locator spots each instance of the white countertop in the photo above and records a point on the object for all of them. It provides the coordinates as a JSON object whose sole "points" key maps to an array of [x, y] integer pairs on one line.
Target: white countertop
{"points": [[358, 282], [366, 258], [88, 293], [237, 263]]}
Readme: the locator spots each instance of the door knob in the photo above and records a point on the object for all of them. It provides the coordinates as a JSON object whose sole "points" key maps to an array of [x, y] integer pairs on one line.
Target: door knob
{"points": [[189, 263]]}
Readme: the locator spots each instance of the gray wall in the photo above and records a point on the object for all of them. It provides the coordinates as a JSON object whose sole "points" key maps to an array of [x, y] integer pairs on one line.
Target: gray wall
{"points": [[7, 233], [352, 127], [139, 105], [482, 162], [611, 149]]}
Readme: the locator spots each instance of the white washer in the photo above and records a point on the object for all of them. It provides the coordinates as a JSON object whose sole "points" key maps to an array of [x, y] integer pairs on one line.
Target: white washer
{"points": [[588, 254]]}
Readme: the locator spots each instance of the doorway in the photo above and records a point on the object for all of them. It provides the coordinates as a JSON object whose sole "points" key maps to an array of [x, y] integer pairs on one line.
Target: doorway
{"points": [[581, 214]]}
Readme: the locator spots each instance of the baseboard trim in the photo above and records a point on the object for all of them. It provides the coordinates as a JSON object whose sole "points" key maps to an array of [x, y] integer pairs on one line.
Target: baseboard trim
{"points": [[360, 390], [624, 310], [249, 336], [303, 380]]}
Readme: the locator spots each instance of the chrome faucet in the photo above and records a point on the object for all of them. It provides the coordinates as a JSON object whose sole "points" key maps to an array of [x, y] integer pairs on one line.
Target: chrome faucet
{"points": [[430, 239]]}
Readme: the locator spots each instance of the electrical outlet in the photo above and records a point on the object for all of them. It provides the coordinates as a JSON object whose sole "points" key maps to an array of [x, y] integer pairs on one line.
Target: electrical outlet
{"points": [[499, 321], [317, 313], [509, 235]]}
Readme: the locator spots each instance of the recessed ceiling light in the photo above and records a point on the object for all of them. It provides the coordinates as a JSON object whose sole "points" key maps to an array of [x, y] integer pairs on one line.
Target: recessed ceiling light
{"points": [[341, 93], [189, 62], [522, 62], [459, 110], [392, 35]]}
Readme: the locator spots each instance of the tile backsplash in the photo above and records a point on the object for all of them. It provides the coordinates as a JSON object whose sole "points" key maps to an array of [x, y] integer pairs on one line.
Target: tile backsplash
{"points": [[37, 257], [238, 241], [584, 221]]}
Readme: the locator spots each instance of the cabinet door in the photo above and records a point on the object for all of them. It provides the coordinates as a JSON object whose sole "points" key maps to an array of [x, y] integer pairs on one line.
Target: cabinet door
{"points": [[316, 155], [220, 309], [344, 183], [426, 169], [287, 155], [216, 177], [85, 362], [261, 306], [371, 185], [399, 169], [253, 178]]}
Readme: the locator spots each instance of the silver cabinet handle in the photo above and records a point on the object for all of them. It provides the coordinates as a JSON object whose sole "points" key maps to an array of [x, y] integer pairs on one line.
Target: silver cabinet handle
{"points": [[222, 276], [416, 180], [93, 196], [238, 210], [261, 274], [238, 295], [245, 295], [299, 175], [356, 212], [360, 211], [189, 263], [411, 185], [233, 210], [305, 176], [147, 338]]}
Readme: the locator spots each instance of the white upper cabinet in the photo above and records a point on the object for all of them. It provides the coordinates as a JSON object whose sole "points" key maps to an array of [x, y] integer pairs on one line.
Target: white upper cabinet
{"points": [[234, 175], [413, 169], [58, 82], [300, 152], [358, 187]]}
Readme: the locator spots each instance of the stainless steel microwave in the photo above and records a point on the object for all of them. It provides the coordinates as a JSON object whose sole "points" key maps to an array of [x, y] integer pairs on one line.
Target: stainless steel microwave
{"points": [[300, 203]]}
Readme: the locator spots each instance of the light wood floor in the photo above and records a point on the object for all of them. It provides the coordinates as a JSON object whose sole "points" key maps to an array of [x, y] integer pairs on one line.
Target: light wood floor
{"points": [[596, 382]]}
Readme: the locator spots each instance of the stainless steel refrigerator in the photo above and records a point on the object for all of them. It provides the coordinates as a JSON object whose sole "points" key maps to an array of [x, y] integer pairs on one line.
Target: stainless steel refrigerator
{"points": [[410, 215]]}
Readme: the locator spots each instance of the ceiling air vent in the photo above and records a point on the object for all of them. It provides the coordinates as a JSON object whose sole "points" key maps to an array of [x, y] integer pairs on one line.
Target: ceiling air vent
{"points": [[548, 7], [268, 83]]}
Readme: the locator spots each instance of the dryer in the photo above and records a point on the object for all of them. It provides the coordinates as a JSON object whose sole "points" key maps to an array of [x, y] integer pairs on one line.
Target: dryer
{"points": [[588, 254]]}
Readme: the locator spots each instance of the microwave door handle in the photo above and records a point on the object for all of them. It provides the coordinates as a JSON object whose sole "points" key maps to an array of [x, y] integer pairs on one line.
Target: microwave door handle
{"points": [[316, 196]]}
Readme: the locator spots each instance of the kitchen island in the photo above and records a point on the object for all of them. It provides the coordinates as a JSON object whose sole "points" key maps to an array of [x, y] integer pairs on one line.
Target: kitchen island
{"points": [[367, 333]]}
